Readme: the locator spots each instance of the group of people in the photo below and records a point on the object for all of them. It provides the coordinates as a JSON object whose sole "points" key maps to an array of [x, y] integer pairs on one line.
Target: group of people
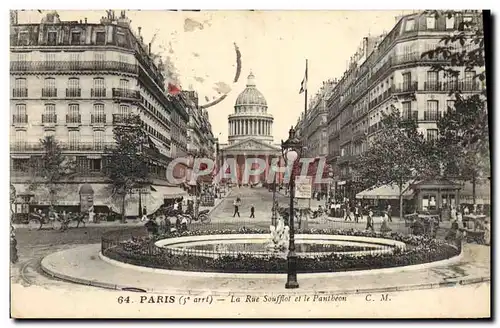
{"points": [[237, 204]]}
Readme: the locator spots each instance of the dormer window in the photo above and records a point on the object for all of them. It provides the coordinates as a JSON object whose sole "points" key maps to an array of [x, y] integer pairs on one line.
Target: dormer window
{"points": [[75, 37], [410, 25], [431, 22], [51, 38]]}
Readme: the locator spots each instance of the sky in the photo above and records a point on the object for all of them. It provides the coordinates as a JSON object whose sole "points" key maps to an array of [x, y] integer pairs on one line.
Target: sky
{"points": [[274, 45]]}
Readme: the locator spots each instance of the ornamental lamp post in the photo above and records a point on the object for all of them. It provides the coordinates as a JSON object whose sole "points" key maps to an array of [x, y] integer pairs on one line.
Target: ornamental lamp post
{"points": [[291, 151], [329, 191], [274, 209]]}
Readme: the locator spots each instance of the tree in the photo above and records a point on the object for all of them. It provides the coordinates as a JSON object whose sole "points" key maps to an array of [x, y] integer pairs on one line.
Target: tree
{"points": [[464, 141], [126, 164], [396, 156], [463, 130], [52, 168]]}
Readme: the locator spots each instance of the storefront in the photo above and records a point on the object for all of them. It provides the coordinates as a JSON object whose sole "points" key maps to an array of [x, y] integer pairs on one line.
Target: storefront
{"points": [[434, 195]]}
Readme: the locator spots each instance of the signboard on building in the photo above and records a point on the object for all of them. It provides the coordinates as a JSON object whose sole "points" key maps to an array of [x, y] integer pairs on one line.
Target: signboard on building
{"points": [[303, 187]]}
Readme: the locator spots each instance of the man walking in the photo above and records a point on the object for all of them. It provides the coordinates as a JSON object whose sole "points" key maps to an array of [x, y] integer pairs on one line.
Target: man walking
{"points": [[389, 215], [252, 212], [369, 221], [236, 207]]}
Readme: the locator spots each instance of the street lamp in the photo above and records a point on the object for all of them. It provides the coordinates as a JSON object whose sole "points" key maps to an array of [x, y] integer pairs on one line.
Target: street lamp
{"points": [[290, 150], [329, 191], [274, 209]]}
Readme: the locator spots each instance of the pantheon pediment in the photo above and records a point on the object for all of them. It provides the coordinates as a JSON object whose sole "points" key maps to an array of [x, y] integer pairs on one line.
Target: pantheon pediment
{"points": [[251, 144]]}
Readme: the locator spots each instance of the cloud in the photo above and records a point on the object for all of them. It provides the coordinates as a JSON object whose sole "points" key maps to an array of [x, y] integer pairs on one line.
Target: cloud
{"points": [[191, 25], [199, 79], [195, 54]]}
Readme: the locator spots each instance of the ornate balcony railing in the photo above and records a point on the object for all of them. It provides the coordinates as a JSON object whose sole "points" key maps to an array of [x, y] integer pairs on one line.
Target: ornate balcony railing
{"points": [[49, 92], [74, 118], [406, 87], [20, 92], [125, 93], [73, 93], [409, 115], [98, 118], [98, 92], [65, 66], [73, 146], [20, 119], [49, 118], [432, 116]]}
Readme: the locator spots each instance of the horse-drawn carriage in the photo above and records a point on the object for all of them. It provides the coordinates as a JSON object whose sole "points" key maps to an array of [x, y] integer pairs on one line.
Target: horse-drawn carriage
{"points": [[56, 220], [423, 223]]}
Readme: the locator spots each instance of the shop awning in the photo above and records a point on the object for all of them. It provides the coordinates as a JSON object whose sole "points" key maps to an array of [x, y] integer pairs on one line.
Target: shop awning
{"points": [[161, 148], [66, 194], [151, 202], [103, 194], [385, 192], [170, 192]]}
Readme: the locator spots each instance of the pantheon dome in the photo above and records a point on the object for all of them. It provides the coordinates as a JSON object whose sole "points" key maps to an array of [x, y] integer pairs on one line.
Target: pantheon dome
{"points": [[250, 118]]}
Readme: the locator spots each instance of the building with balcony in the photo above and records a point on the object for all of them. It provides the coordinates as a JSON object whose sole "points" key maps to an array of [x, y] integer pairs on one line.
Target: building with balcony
{"points": [[388, 71], [77, 80]]}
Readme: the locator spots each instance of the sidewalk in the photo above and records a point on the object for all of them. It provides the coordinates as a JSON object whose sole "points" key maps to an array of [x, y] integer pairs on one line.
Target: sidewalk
{"points": [[130, 222]]}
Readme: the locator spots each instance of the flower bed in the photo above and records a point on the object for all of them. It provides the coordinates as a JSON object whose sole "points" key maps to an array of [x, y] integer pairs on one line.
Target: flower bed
{"points": [[143, 252]]}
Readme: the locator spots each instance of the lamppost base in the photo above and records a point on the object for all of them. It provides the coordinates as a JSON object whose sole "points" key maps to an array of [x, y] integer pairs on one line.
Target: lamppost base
{"points": [[291, 284]]}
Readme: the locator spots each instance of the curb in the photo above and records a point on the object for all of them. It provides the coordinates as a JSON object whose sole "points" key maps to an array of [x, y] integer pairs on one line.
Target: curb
{"points": [[93, 283], [221, 200], [46, 267]]}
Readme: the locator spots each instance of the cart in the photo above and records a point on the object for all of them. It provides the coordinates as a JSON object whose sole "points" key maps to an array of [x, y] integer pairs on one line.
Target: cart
{"points": [[424, 224], [474, 226]]}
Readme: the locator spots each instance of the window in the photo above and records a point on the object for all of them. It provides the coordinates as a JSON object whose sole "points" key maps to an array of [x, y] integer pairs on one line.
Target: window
{"points": [[431, 22], [124, 84], [74, 60], [49, 87], [410, 25], [74, 139], [432, 110], [406, 110], [73, 83], [121, 39], [100, 38], [20, 164], [450, 23], [49, 114], [23, 38], [73, 113], [432, 81], [450, 105], [20, 110], [20, 138], [124, 110], [51, 38], [98, 116], [467, 22], [95, 165], [98, 89], [98, 139], [406, 80], [432, 134], [75, 37], [122, 58]]}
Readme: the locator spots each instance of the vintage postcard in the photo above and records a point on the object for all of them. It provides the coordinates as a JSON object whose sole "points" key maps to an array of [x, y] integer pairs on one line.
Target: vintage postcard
{"points": [[250, 164]]}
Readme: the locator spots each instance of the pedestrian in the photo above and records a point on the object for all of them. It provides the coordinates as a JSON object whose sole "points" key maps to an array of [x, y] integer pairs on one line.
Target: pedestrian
{"points": [[385, 226], [369, 221], [252, 212], [466, 210], [356, 214], [144, 214], [389, 213], [236, 208], [347, 214], [91, 214]]}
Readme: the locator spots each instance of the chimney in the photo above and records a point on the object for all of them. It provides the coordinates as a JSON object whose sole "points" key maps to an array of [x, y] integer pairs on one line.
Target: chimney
{"points": [[85, 20], [139, 29], [149, 48]]}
